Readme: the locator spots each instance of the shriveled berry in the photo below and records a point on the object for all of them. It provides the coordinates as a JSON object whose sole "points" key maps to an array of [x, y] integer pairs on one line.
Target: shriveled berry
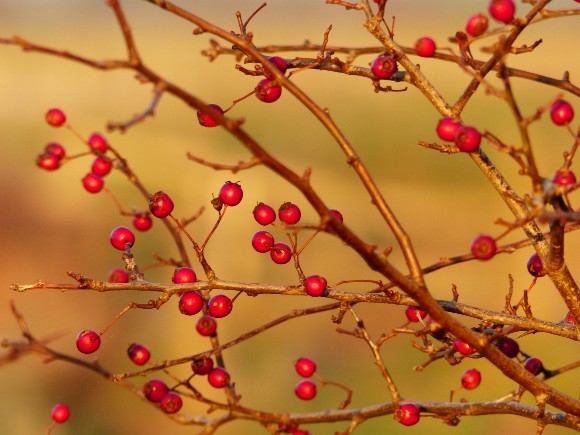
{"points": [[447, 128], [139, 354], [101, 166], [564, 177], [98, 143], [467, 139], [55, 117], [118, 275], [561, 112], [48, 161], [305, 390], [171, 403], [155, 390], [415, 314], [280, 253], [202, 366], [121, 238], [305, 367], [142, 221], [462, 347], [60, 413], [160, 204], [477, 25], [206, 326], [425, 46], [268, 91], [315, 285], [93, 183], [190, 303], [231, 194], [262, 241], [264, 214], [533, 365], [183, 275], [470, 379], [384, 67], [408, 414], [535, 266], [483, 247], [289, 213], [88, 341], [218, 377], [206, 120], [508, 346], [502, 10], [219, 306], [279, 63]]}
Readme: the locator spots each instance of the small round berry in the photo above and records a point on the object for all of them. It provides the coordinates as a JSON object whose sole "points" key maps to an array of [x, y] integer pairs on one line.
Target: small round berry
{"points": [[155, 390], [262, 241], [264, 214], [535, 266], [483, 247], [508, 346], [502, 10], [471, 379], [48, 161], [315, 285], [231, 194], [219, 306], [206, 326], [408, 414], [55, 148], [202, 366], [101, 166], [289, 213], [447, 128], [160, 204], [384, 67], [88, 341], [561, 112], [279, 63], [98, 143], [415, 314], [55, 117], [467, 139], [60, 413], [463, 348], [122, 238], [337, 214], [206, 120], [280, 253], [139, 354], [218, 377], [425, 46], [564, 177], [171, 403], [268, 91], [142, 221], [305, 367], [570, 318], [183, 275], [305, 390], [533, 365], [190, 303], [118, 275], [93, 183], [476, 25]]}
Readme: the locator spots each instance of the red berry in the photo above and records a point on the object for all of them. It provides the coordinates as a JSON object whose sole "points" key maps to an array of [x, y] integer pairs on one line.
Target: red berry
{"points": [[88, 341], [55, 148], [508, 346], [142, 221], [60, 413], [262, 241], [408, 414], [570, 318], [101, 166], [467, 139], [564, 177], [202, 366], [280, 253], [184, 275], [55, 117], [305, 390], [206, 326], [206, 120], [48, 161], [155, 390], [502, 10], [118, 275], [171, 403], [231, 194], [268, 91], [218, 377], [463, 348], [471, 379], [289, 213], [384, 67], [447, 128], [533, 365], [279, 63], [160, 205], [315, 285], [561, 112], [305, 367], [336, 214], [264, 214], [483, 247], [425, 47], [92, 183], [139, 354], [415, 314], [535, 266], [219, 306], [476, 25], [122, 238], [98, 143], [190, 303]]}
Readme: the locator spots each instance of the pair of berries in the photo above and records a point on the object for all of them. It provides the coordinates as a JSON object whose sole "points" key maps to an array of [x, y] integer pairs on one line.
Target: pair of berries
{"points": [[93, 182], [500, 10], [288, 213], [263, 241], [52, 156], [466, 138], [156, 391], [305, 389]]}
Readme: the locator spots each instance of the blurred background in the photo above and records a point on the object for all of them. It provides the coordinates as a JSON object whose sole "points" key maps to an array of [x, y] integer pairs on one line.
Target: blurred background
{"points": [[50, 224]]}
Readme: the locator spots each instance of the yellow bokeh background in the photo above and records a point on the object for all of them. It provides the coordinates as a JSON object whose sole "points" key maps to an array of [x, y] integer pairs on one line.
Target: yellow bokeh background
{"points": [[49, 224]]}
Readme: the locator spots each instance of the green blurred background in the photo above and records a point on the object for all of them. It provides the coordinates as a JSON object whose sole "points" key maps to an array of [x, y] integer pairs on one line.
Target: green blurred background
{"points": [[49, 224]]}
